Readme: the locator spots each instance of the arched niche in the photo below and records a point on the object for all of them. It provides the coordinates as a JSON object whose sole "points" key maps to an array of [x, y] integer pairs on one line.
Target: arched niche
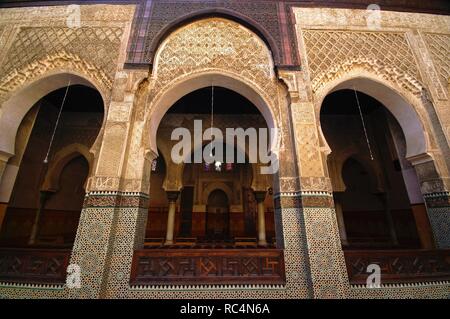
{"points": [[14, 109], [60, 160], [400, 107], [200, 81], [340, 160], [215, 187], [17, 108]]}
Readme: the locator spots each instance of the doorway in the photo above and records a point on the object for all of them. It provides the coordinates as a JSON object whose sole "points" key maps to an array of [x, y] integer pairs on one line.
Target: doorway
{"points": [[217, 219]]}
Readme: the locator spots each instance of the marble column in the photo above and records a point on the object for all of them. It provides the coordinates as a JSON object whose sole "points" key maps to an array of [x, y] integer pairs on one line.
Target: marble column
{"points": [[172, 197], [260, 197]]}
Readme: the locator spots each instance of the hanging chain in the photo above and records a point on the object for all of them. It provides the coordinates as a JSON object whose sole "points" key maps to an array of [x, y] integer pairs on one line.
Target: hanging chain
{"points": [[57, 122], [212, 114], [212, 107], [363, 124]]}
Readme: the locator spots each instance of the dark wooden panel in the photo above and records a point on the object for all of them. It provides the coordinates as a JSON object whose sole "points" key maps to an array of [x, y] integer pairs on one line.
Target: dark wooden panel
{"points": [[34, 266], [187, 205], [399, 266], [250, 211], [370, 229], [157, 222], [208, 266], [58, 224], [198, 224]]}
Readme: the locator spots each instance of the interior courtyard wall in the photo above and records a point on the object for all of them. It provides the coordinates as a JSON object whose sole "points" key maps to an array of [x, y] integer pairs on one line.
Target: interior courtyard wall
{"points": [[337, 45], [115, 210]]}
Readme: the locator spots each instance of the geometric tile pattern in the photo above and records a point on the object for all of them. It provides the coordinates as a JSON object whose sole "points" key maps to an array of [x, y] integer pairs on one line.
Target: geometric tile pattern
{"points": [[327, 264], [438, 209], [91, 249], [440, 223], [427, 291]]}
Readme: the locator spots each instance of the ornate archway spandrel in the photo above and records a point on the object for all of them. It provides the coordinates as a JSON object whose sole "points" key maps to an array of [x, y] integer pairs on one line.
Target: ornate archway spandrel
{"points": [[98, 46], [215, 45], [334, 53], [57, 63]]}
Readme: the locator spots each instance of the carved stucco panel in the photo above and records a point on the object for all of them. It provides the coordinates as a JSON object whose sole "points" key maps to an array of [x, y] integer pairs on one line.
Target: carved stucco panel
{"points": [[439, 47], [96, 47], [357, 18], [119, 111], [332, 53], [35, 41], [112, 149], [135, 154], [307, 140], [215, 44]]}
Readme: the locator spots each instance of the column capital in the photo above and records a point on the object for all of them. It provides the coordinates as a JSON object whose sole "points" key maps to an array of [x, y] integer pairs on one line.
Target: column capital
{"points": [[260, 196], [172, 196]]}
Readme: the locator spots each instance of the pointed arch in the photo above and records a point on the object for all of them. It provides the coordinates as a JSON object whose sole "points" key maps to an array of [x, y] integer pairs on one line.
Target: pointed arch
{"points": [[21, 100], [217, 186], [60, 160], [244, 20], [339, 159], [405, 110]]}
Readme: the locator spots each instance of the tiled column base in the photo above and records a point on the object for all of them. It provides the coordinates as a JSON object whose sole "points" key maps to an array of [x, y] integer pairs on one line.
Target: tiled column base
{"points": [[291, 235], [93, 251], [328, 270], [438, 207], [129, 235]]}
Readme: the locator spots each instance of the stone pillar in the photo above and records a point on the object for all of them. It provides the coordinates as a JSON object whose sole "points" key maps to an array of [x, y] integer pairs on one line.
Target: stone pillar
{"points": [[260, 197], [113, 219], [434, 174], [172, 197], [326, 259], [10, 163], [340, 218]]}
